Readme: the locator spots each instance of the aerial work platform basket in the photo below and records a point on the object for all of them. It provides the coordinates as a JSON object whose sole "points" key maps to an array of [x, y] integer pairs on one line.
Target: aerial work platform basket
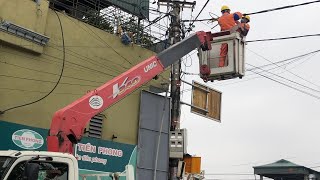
{"points": [[226, 59]]}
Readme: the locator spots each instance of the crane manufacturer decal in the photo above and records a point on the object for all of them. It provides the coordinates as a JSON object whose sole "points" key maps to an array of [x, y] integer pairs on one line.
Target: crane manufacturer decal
{"points": [[126, 85], [150, 66], [96, 102]]}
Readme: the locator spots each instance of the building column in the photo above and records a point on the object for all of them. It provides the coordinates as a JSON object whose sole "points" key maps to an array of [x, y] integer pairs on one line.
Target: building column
{"points": [[261, 177]]}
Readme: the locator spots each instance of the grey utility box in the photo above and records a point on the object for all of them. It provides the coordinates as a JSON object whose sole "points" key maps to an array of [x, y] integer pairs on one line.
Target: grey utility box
{"points": [[178, 143]]}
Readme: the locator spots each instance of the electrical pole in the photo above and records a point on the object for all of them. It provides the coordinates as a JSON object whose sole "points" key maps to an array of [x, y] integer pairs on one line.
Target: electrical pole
{"points": [[175, 32], [175, 36]]}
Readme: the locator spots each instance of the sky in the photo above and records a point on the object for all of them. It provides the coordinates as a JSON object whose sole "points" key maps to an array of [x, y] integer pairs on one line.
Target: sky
{"points": [[262, 121]]}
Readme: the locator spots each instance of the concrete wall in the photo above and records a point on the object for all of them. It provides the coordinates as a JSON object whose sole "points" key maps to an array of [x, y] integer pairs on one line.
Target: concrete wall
{"points": [[28, 72]]}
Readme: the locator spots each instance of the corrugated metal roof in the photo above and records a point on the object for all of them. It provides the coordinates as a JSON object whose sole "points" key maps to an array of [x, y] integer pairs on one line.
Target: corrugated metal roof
{"points": [[280, 163]]}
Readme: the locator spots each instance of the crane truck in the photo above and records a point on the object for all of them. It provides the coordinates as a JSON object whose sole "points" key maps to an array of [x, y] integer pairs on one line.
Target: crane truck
{"points": [[68, 124]]}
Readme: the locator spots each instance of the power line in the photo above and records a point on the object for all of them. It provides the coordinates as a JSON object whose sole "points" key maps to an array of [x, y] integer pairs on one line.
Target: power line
{"points": [[245, 80], [276, 63], [199, 20], [45, 72], [52, 60], [45, 81], [78, 56], [304, 92], [282, 61], [55, 86], [94, 62], [283, 7], [101, 40], [281, 64], [283, 38], [84, 67], [287, 69], [32, 91], [199, 13], [156, 20]]}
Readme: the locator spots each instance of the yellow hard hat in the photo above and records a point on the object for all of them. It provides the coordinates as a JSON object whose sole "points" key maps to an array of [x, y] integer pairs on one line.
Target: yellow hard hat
{"points": [[247, 17], [225, 8]]}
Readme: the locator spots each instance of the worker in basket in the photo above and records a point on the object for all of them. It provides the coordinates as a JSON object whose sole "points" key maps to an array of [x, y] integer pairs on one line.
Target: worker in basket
{"points": [[244, 26], [227, 22]]}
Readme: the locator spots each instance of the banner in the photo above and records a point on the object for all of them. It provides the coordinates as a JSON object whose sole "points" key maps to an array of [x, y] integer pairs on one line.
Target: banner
{"points": [[92, 154]]}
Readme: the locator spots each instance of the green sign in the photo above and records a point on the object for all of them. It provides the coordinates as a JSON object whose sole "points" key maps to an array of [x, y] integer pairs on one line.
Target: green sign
{"points": [[27, 139], [96, 154], [93, 154], [20, 137]]}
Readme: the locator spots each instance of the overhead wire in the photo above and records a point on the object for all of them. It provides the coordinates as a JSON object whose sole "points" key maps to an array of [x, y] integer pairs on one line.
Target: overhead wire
{"points": [[45, 81], [44, 92], [287, 69], [156, 20], [199, 13], [283, 38], [58, 81], [315, 90], [199, 20], [284, 69], [95, 62], [86, 58], [283, 63], [287, 61], [83, 66], [54, 60], [292, 87], [50, 73], [283, 7], [96, 36]]}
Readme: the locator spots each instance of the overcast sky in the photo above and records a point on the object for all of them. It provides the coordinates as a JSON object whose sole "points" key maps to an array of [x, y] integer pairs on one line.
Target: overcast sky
{"points": [[262, 120]]}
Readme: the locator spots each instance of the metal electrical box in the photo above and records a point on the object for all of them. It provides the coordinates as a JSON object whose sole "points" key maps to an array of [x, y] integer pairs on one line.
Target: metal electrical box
{"points": [[178, 143], [226, 59]]}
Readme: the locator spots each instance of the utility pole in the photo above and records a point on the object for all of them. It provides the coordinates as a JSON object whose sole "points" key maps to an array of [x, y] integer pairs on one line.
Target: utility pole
{"points": [[175, 36]]}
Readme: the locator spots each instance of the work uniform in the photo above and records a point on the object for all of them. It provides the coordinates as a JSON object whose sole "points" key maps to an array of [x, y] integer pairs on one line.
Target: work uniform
{"points": [[245, 27], [227, 21]]}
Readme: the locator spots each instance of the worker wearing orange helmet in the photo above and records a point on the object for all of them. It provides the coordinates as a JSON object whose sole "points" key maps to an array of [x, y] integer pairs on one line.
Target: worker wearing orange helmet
{"points": [[244, 26], [227, 21]]}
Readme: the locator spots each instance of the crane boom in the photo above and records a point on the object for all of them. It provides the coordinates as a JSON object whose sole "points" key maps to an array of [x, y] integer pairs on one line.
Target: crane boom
{"points": [[68, 124]]}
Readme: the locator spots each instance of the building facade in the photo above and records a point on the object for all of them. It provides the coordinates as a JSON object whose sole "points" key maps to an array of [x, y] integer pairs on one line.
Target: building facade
{"points": [[36, 45]]}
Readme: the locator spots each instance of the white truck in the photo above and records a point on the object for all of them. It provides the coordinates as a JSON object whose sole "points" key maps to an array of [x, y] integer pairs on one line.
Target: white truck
{"points": [[43, 165]]}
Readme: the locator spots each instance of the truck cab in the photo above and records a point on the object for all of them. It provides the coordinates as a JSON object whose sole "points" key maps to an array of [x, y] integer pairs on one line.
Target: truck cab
{"points": [[27, 165]]}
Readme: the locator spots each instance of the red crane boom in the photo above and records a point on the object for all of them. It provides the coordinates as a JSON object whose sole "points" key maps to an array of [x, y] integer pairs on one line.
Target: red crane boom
{"points": [[68, 124]]}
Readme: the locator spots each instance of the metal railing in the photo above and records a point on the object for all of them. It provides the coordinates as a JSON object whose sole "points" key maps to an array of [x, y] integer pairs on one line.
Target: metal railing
{"points": [[112, 19]]}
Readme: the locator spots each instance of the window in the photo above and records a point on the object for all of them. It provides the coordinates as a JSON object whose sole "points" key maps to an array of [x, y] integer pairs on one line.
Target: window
{"points": [[43, 170]]}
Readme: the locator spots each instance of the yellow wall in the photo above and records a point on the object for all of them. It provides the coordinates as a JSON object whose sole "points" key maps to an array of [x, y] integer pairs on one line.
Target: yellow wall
{"points": [[92, 58]]}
